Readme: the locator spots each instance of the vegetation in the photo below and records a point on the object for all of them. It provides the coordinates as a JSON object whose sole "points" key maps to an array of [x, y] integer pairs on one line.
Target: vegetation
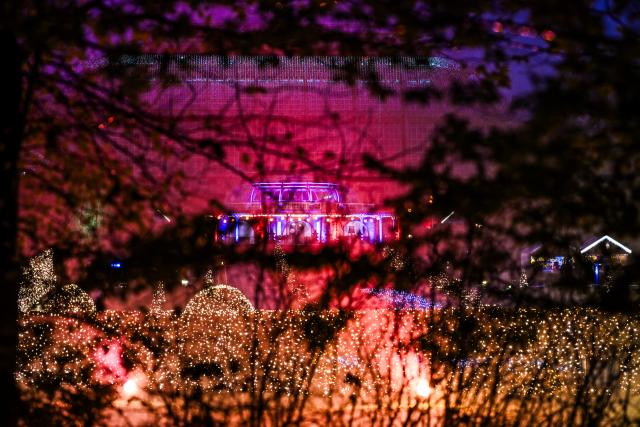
{"points": [[549, 156]]}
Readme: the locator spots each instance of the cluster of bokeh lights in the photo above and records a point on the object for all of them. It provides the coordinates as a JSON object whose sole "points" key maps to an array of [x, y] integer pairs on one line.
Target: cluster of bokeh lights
{"points": [[221, 344]]}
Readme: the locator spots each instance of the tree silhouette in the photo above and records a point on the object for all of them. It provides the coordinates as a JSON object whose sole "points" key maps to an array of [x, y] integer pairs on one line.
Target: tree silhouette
{"points": [[92, 164]]}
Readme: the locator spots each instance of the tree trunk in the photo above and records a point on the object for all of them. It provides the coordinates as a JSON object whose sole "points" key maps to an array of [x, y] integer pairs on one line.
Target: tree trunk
{"points": [[11, 127]]}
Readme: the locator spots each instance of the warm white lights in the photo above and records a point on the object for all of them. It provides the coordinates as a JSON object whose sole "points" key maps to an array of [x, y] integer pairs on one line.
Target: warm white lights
{"points": [[130, 388], [422, 388]]}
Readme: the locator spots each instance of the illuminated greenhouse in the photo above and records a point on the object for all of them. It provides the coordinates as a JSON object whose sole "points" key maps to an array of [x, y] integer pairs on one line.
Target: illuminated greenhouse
{"points": [[304, 212]]}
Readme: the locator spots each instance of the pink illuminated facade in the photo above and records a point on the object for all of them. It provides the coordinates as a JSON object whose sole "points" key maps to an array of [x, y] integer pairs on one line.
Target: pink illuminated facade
{"points": [[296, 119]]}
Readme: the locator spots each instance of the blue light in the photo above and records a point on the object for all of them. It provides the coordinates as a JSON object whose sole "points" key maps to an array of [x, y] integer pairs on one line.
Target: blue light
{"points": [[116, 264], [403, 300]]}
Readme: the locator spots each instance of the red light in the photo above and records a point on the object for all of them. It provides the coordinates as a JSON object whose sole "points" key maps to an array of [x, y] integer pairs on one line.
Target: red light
{"points": [[110, 119], [548, 35], [497, 27], [101, 126], [526, 32]]}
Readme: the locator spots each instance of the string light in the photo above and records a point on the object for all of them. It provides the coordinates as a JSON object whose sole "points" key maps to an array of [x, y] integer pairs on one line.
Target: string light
{"points": [[39, 278], [159, 301], [390, 357], [68, 300]]}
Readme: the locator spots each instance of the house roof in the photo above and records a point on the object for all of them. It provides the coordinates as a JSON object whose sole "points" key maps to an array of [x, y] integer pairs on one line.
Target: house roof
{"points": [[590, 244]]}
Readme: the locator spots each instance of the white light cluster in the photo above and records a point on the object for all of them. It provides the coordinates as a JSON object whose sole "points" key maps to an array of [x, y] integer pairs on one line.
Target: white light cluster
{"points": [[38, 279]]}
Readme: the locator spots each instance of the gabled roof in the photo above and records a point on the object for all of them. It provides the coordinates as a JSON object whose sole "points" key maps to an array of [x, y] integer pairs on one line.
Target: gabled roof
{"points": [[593, 243]]}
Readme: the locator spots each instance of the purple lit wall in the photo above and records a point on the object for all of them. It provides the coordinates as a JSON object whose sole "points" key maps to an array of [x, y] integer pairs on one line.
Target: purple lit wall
{"points": [[258, 111]]}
